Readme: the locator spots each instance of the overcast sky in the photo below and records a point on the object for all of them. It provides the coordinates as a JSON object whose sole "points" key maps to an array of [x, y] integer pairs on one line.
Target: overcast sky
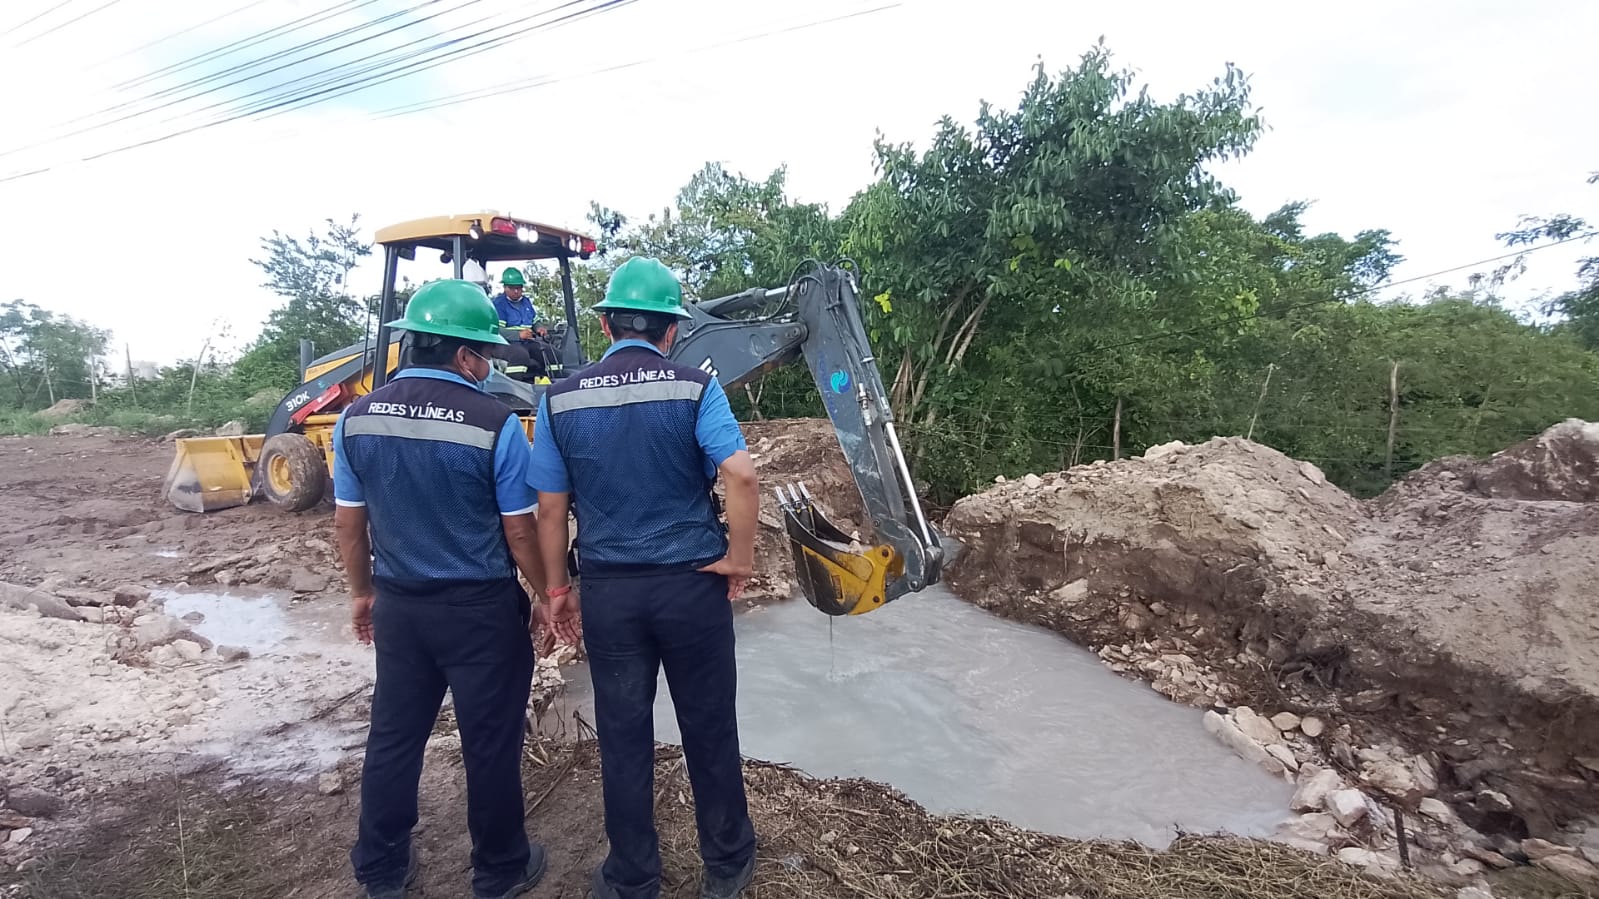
{"points": [[1441, 121]]}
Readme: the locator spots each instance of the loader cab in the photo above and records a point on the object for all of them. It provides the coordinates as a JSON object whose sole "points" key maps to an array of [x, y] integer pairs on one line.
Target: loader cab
{"points": [[460, 246]]}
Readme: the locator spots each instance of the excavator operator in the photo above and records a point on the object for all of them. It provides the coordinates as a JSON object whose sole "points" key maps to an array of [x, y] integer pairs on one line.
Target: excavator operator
{"points": [[525, 355]]}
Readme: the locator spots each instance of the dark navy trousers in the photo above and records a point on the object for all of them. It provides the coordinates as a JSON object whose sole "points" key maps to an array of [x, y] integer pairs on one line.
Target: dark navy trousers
{"points": [[633, 627], [471, 637]]}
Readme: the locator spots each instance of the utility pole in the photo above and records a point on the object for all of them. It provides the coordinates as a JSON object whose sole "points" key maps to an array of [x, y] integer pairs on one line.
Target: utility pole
{"points": [[1270, 367], [1116, 432], [1393, 418], [131, 389]]}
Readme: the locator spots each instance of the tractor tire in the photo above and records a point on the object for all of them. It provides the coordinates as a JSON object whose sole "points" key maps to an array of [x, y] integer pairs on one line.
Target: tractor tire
{"points": [[294, 473]]}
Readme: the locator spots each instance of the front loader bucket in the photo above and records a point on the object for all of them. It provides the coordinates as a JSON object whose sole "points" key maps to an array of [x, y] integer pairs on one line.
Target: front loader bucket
{"points": [[210, 473], [834, 578]]}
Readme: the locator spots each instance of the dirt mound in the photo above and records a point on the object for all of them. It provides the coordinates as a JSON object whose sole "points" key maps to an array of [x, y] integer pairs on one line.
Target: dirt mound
{"points": [[789, 452], [1560, 464], [1446, 613]]}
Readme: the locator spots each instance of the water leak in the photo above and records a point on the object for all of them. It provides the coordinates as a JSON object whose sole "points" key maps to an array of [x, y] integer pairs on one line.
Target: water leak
{"points": [[966, 712]]}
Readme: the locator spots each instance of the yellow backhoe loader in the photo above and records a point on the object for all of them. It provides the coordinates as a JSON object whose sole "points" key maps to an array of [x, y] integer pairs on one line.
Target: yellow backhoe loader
{"points": [[736, 338]]}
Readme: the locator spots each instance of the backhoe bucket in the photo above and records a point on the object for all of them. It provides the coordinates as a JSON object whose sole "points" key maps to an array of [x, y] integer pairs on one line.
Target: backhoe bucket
{"points": [[210, 473], [834, 577]]}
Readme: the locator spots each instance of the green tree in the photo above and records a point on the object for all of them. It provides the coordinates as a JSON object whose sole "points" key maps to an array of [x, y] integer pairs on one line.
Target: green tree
{"points": [[48, 356], [313, 276]]}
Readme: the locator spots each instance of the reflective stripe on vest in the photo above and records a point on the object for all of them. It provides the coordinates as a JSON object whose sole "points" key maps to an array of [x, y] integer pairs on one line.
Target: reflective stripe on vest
{"points": [[626, 394], [420, 429]]}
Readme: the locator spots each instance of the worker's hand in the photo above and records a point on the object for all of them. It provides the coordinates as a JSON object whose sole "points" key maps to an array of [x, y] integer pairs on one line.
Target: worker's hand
{"points": [[525, 334], [737, 574], [542, 331], [361, 617], [563, 617]]}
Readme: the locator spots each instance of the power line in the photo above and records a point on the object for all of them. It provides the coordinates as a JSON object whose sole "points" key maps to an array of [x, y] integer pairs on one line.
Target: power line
{"points": [[36, 17], [238, 68], [511, 87], [53, 29], [307, 99], [1219, 323], [176, 34], [330, 93], [339, 71], [249, 41]]}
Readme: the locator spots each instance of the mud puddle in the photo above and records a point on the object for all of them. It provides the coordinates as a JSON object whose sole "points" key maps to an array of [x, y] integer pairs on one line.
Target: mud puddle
{"points": [[295, 705], [967, 712]]}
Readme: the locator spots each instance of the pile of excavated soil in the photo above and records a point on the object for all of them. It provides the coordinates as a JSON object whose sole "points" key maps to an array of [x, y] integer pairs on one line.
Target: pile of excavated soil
{"points": [[1456, 613], [786, 453], [818, 840]]}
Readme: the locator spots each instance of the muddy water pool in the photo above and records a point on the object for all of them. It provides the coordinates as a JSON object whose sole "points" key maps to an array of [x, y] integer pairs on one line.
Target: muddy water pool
{"points": [[967, 712]]}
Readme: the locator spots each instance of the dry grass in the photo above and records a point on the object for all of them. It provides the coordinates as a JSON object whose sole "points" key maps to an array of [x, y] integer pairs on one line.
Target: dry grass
{"points": [[861, 839], [819, 840]]}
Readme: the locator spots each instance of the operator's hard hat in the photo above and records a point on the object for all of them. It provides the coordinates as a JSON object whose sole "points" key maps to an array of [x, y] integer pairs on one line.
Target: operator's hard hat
{"points": [[451, 308], [512, 277], [642, 284]]}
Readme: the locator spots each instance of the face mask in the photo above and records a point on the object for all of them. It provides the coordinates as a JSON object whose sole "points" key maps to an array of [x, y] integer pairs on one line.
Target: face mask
{"points": [[468, 376]]}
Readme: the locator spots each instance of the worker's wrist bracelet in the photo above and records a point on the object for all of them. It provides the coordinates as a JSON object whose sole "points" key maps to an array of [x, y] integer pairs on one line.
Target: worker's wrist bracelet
{"points": [[553, 592]]}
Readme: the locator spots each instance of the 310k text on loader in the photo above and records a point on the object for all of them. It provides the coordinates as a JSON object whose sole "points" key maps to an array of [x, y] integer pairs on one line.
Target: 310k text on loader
{"points": [[736, 338]]}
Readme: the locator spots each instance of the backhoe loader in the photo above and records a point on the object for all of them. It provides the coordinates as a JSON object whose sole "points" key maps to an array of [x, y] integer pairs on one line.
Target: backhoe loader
{"points": [[736, 338]]}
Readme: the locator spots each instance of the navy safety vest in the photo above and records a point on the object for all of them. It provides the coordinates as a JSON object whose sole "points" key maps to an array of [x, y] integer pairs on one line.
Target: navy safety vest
{"points": [[641, 484], [424, 448]]}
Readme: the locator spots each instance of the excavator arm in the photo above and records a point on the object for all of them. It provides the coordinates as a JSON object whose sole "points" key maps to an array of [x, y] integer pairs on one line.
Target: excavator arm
{"points": [[740, 337]]}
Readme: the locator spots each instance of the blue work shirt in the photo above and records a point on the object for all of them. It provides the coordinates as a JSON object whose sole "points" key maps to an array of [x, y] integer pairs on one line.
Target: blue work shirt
{"points": [[637, 440], [716, 430], [515, 315], [436, 466]]}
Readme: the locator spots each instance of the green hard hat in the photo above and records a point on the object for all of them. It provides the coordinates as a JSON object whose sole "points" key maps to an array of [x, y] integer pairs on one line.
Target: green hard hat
{"points": [[451, 308], [642, 284], [512, 277]]}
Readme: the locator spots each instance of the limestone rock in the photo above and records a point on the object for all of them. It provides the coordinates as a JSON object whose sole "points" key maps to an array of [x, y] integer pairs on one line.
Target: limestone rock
{"points": [[157, 629], [1488, 857], [1032, 481], [234, 428], [20, 834], [1438, 810], [1227, 732], [1570, 867], [1354, 855], [1494, 801], [130, 594], [1285, 721], [232, 653], [1255, 727], [1284, 755], [1348, 806], [1467, 867], [188, 650], [1536, 849], [19, 597], [1311, 727], [330, 783], [1473, 893], [303, 581], [1395, 779], [1314, 784]]}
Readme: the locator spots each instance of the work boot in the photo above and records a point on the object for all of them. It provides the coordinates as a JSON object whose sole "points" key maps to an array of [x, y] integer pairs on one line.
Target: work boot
{"points": [[531, 875], [598, 888], [713, 887], [404, 889]]}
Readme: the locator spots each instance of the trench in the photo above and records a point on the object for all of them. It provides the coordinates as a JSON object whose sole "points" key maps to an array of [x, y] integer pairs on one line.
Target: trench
{"points": [[966, 712]]}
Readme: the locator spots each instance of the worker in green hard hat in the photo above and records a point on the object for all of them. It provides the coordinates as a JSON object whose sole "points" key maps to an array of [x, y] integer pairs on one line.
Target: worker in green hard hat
{"points": [[526, 356], [434, 519], [634, 445]]}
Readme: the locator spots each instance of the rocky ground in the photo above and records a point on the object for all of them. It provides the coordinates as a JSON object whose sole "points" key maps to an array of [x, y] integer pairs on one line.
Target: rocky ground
{"points": [[1432, 653], [141, 758]]}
